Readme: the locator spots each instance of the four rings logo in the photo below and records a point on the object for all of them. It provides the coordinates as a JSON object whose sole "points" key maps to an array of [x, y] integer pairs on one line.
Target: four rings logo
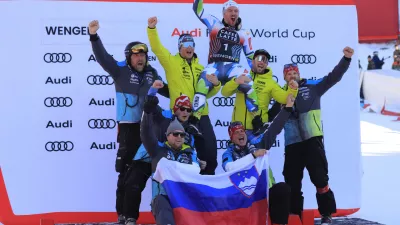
{"points": [[102, 123], [58, 102], [100, 80], [222, 144], [57, 57], [59, 146], [224, 101], [304, 59]]}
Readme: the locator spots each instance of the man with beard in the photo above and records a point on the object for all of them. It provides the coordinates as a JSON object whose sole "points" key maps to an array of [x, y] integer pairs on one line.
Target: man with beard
{"points": [[132, 77]]}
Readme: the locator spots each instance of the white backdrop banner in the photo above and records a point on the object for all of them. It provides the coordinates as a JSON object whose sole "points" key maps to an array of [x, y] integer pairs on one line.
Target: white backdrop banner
{"points": [[47, 62]]}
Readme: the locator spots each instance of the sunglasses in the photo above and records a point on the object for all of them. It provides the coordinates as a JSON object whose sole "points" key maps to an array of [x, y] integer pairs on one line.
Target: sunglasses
{"points": [[176, 134], [188, 44], [185, 109], [139, 48], [290, 65]]}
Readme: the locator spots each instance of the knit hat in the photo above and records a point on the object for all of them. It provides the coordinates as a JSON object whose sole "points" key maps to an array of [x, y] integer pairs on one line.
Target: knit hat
{"points": [[229, 4], [174, 126], [233, 127], [182, 100]]}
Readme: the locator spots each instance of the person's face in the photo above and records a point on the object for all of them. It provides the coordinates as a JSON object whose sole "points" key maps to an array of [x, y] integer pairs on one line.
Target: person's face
{"points": [[239, 138], [397, 47], [176, 139], [260, 63], [187, 50], [369, 59], [183, 113], [292, 75], [138, 61], [231, 15]]}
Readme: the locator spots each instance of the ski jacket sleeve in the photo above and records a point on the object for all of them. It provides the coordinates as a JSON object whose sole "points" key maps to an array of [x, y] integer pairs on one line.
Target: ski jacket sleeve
{"points": [[267, 140], [206, 19], [106, 61], [148, 135], [229, 88], [325, 83], [214, 91], [163, 55], [280, 95]]}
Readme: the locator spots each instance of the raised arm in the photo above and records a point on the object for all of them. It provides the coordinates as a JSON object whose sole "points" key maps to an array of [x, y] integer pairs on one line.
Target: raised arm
{"points": [[325, 83], [231, 86], [206, 19], [157, 47], [281, 95], [106, 61], [268, 138], [148, 135]]}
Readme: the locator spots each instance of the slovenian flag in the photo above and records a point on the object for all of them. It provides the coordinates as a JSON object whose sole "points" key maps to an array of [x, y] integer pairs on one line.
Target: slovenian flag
{"points": [[235, 197]]}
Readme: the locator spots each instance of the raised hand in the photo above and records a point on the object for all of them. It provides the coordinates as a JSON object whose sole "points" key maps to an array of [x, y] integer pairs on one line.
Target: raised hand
{"points": [[93, 27]]}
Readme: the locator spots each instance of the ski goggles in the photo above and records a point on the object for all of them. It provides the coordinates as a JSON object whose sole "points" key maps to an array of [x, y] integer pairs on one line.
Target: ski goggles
{"points": [[188, 44], [289, 67], [261, 58], [139, 48]]}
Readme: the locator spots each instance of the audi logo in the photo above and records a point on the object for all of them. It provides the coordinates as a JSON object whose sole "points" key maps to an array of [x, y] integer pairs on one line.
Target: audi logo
{"points": [[304, 59], [100, 80], [59, 146], [223, 101], [57, 57], [222, 144], [102, 123], [58, 102]]}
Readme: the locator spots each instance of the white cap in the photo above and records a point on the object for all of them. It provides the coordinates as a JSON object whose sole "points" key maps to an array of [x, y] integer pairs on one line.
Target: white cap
{"points": [[229, 4]]}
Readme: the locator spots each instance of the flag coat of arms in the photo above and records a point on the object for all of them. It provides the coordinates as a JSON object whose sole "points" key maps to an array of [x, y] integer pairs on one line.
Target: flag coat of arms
{"points": [[236, 197]]}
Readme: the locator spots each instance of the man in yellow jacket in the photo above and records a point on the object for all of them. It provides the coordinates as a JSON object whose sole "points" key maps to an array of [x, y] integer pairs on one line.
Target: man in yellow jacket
{"points": [[182, 72], [266, 88]]}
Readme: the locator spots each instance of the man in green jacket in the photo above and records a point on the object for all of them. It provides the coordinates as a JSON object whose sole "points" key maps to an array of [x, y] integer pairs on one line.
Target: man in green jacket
{"points": [[182, 72]]}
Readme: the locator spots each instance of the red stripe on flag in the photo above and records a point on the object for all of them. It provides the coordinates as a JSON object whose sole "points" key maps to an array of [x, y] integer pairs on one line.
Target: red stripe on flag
{"points": [[254, 215]]}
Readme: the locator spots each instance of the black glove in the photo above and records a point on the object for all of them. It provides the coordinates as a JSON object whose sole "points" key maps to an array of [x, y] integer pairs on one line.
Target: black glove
{"points": [[257, 123], [150, 104], [193, 120]]}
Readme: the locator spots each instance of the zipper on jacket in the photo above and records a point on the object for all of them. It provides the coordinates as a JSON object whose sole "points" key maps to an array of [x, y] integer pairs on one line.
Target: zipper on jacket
{"points": [[315, 120], [191, 70]]}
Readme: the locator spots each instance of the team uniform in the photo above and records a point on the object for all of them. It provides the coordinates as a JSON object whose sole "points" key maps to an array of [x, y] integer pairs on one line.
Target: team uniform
{"points": [[226, 45], [131, 88], [304, 144]]}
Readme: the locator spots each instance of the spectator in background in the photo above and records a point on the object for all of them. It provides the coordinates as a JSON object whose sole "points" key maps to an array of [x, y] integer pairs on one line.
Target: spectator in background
{"points": [[371, 65], [396, 52], [396, 63], [378, 62]]}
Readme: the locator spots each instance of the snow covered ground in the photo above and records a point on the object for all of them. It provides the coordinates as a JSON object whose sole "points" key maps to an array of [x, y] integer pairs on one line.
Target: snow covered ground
{"points": [[380, 146]]}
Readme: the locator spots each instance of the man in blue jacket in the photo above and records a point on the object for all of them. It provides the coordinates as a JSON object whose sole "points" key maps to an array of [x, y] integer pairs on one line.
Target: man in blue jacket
{"points": [[304, 145], [132, 78]]}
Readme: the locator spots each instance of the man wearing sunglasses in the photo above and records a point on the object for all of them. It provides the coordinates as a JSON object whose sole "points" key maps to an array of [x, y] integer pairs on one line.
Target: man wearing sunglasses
{"points": [[242, 151], [227, 41], [136, 180], [173, 149], [182, 72], [266, 88], [304, 146], [132, 78]]}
